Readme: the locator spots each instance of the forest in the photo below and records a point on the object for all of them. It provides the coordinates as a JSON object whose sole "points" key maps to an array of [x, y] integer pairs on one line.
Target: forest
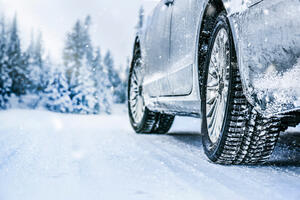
{"points": [[86, 82]]}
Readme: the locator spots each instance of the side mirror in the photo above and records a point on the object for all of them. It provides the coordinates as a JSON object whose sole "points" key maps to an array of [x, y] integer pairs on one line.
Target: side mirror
{"points": [[168, 2]]}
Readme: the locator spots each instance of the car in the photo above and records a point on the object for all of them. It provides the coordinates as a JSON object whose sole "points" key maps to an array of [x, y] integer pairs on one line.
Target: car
{"points": [[234, 64]]}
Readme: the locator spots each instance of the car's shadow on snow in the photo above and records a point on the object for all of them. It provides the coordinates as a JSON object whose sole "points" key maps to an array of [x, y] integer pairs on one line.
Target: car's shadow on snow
{"points": [[286, 153], [190, 138]]}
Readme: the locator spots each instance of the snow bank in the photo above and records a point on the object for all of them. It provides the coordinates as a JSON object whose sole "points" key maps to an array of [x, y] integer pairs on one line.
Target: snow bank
{"points": [[24, 102]]}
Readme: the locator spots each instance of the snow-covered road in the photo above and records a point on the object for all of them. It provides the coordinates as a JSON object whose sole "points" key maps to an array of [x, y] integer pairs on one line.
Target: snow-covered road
{"points": [[50, 156]]}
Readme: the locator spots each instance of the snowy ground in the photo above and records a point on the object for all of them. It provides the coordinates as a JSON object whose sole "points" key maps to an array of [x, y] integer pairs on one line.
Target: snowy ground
{"points": [[46, 155]]}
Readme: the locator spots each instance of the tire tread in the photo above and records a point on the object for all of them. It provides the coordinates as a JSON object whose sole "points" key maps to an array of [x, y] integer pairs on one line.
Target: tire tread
{"points": [[250, 138]]}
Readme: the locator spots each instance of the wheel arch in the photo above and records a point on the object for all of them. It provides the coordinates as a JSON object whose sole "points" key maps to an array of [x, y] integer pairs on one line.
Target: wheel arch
{"points": [[207, 22], [137, 44]]}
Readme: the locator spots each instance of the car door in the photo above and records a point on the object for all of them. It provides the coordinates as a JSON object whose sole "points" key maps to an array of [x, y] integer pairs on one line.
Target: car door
{"points": [[157, 50], [185, 16], [184, 27]]}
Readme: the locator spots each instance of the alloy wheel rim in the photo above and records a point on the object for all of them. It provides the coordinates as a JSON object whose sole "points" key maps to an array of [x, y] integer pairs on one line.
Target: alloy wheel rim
{"points": [[218, 85], [136, 99]]}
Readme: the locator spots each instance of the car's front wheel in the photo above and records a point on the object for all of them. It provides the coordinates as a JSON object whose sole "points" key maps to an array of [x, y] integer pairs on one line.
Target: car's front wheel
{"points": [[142, 119], [233, 132]]}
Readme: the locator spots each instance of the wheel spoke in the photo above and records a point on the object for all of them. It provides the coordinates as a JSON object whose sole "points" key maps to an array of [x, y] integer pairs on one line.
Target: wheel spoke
{"points": [[212, 109], [212, 100], [133, 102], [218, 84], [214, 64], [212, 85], [213, 121], [136, 100], [212, 124], [213, 74]]}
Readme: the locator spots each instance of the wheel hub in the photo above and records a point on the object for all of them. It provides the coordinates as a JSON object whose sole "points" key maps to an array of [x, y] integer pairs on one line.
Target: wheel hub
{"points": [[221, 87], [140, 92], [217, 85]]}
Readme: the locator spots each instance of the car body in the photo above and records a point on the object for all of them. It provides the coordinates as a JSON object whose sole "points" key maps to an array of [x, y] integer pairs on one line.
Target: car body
{"points": [[235, 64], [267, 42]]}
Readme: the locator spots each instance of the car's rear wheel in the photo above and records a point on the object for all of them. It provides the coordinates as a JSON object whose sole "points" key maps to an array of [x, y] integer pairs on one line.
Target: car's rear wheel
{"points": [[233, 132], [142, 119]]}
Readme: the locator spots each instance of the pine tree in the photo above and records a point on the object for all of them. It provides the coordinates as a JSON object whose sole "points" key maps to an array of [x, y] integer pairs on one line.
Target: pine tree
{"points": [[120, 91], [102, 84], [124, 87], [5, 80], [36, 64], [78, 47], [79, 63], [87, 40], [46, 73], [113, 76], [57, 95], [17, 62], [84, 99], [73, 54]]}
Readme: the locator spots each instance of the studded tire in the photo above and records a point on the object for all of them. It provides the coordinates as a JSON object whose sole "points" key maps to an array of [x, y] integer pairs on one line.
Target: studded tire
{"points": [[151, 122], [246, 136]]}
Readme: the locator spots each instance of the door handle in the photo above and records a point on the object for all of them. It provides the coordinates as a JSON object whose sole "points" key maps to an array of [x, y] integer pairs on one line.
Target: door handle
{"points": [[168, 2]]}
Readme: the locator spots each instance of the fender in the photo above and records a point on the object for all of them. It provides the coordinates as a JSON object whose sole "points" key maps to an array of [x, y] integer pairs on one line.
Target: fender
{"points": [[268, 54]]}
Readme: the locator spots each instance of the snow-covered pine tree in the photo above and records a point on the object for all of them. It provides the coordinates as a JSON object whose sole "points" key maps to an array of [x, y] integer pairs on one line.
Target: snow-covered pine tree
{"points": [[57, 95], [124, 87], [46, 73], [84, 99], [73, 54], [36, 66], [78, 47], [102, 84], [120, 90], [87, 40], [17, 62], [113, 76], [78, 60], [5, 80]]}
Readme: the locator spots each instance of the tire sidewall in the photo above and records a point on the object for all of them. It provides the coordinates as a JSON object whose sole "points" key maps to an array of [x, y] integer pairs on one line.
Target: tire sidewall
{"points": [[136, 126], [213, 150]]}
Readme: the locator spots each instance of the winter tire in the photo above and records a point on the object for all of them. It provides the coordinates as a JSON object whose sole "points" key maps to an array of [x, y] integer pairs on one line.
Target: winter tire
{"points": [[141, 118], [233, 132]]}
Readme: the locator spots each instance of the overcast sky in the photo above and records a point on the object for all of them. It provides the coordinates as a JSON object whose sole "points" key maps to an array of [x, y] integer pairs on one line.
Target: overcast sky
{"points": [[113, 22]]}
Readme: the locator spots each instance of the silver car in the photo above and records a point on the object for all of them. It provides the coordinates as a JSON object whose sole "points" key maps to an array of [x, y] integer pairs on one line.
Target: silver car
{"points": [[233, 63]]}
